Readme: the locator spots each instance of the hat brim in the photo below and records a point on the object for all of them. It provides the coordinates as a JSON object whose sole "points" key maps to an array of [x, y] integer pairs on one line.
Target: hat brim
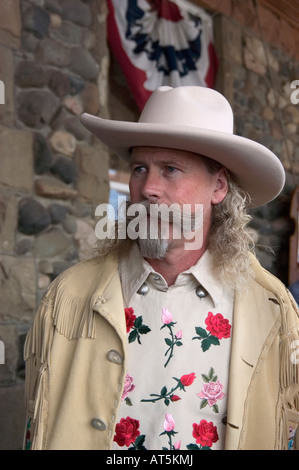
{"points": [[254, 167]]}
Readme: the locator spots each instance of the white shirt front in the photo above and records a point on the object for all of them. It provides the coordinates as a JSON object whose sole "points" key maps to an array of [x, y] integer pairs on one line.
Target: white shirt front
{"points": [[179, 339]]}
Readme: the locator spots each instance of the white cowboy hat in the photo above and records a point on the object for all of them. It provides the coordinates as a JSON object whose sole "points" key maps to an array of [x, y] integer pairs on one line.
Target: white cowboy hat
{"points": [[199, 120]]}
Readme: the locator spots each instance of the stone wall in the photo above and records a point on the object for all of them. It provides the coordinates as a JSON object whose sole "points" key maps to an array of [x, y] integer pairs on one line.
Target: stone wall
{"points": [[256, 78], [54, 66]]}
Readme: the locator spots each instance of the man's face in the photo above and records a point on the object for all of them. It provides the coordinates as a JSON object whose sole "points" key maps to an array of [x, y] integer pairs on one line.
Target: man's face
{"points": [[167, 176]]}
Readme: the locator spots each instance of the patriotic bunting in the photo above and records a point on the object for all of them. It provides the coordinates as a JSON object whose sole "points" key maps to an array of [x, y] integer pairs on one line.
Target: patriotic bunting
{"points": [[161, 42]]}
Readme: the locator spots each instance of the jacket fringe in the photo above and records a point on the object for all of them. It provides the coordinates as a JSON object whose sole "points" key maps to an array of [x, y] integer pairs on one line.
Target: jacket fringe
{"points": [[289, 369], [37, 358], [72, 318]]}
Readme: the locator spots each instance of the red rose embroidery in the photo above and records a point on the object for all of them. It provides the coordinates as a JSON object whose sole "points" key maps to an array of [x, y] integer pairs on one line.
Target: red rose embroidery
{"points": [[188, 379], [126, 431], [184, 381], [130, 318], [175, 398], [205, 433], [218, 325]]}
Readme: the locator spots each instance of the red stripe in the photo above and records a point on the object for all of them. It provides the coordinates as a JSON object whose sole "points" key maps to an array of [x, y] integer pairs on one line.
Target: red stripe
{"points": [[166, 9], [134, 76], [211, 74]]}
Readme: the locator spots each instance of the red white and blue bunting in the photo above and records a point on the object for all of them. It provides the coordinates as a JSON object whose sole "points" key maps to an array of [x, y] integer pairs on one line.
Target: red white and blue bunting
{"points": [[161, 42]]}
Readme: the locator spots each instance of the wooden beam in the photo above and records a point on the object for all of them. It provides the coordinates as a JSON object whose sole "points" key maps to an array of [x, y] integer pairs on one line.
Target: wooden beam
{"points": [[284, 9]]}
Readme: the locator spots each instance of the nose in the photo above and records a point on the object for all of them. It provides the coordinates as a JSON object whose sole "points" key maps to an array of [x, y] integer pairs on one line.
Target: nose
{"points": [[151, 189]]}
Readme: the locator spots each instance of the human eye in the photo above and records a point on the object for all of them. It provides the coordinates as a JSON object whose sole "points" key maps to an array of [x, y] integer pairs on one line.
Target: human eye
{"points": [[137, 169], [170, 170]]}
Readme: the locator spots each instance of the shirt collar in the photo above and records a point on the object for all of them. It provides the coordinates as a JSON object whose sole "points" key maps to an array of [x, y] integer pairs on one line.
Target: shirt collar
{"points": [[135, 271]]}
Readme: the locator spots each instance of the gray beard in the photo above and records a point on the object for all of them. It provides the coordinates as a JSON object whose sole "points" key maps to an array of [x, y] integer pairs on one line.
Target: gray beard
{"points": [[153, 249], [152, 244]]}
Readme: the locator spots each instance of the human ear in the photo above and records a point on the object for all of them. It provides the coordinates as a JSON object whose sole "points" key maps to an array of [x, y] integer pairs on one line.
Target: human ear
{"points": [[221, 186]]}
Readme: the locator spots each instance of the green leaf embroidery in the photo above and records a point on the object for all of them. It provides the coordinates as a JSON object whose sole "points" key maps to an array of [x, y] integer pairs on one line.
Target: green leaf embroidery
{"points": [[138, 329]]}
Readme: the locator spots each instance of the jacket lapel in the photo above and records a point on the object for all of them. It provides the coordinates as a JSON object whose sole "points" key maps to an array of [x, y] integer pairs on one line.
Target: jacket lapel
{"points": [[109, 301]]}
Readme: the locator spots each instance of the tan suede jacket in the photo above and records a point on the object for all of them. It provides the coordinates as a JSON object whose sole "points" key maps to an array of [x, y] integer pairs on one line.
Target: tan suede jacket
{"points": [[76, 353]]}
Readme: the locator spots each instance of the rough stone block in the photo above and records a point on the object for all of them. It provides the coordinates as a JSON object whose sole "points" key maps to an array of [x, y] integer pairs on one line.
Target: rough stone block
{"points": [[18, 288], [76, 12], [13, 415], [83, 63], [8, 221], [51, 52], [93, 181], [90, 98], [10, 23], [54, 189], [42, 154], [68, 34], [9, 337], [228, 40], [6, 75], [37, 21], [65, 169], [16, 162], [63, 142], [254, 55], [86, 239], [33, 217], [51, 243], [59, 83], [36, 107], [30, 74]]}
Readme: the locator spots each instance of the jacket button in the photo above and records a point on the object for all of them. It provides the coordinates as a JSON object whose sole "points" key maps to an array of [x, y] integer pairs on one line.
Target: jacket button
{"points": [[98, 424], [201, 292], [114, 356]]}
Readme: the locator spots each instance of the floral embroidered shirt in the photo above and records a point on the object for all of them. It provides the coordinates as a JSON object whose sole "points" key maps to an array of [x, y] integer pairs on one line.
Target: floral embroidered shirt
{"points": [[179, 337]]}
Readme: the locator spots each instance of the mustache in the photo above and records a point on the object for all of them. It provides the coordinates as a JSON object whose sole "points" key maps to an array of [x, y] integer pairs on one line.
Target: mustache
{"points": [[172, 213]]}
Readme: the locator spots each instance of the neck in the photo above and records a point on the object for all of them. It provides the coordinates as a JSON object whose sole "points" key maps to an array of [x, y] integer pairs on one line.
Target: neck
{"points": [[175, 262]]}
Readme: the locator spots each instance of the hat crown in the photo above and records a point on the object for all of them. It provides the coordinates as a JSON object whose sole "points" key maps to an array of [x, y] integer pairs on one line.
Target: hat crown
{"points": [[191, 106]]}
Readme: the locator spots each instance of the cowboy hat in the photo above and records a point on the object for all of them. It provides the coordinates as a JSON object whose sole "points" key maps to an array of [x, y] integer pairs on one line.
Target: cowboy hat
{"points": [[199, 120]]}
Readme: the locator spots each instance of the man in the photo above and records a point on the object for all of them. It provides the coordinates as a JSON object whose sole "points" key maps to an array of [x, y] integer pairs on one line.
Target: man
{"points": [[157, 344]]}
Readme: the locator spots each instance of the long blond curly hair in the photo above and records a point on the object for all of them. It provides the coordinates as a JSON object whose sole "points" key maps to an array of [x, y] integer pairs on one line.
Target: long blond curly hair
{"points": [[229, 239]]}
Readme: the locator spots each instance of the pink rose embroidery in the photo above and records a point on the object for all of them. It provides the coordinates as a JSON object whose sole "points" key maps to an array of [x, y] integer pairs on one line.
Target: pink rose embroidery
{"points": [[166, 316], [175, 339], [211, 391], [169, 425], [128, 387]]}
